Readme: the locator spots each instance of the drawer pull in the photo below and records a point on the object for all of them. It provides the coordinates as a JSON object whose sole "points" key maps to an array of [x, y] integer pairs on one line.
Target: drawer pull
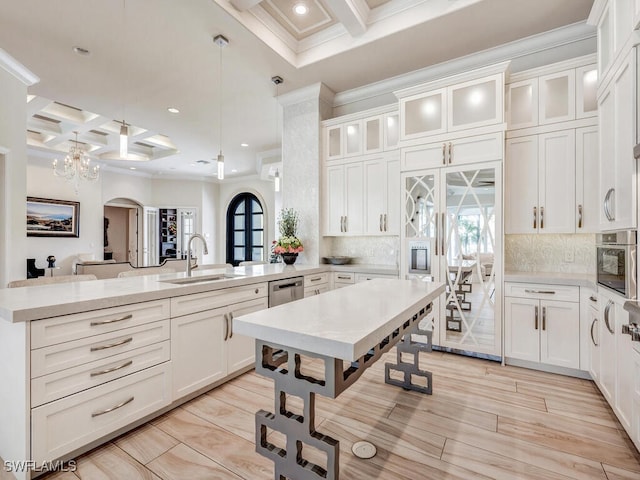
{"points": [[344, 278], [112, 369], [546, 292], [317, 279], [544, 318], [106, 322], [111, 345], [230, 325], [536, 317], [226, 327], [593, 324], [115, 407]]}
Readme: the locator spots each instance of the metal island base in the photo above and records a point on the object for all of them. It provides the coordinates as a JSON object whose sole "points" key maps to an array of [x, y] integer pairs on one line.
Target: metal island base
{"points": [[346, 343]]}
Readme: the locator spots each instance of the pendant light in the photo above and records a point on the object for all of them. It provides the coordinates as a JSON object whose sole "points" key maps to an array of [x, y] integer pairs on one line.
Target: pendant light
{"points": [[277, 80], [124, 129], [222, 42]]}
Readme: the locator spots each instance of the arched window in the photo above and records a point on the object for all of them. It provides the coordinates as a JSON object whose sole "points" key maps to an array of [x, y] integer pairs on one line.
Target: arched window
{"points": [[245, 229]]}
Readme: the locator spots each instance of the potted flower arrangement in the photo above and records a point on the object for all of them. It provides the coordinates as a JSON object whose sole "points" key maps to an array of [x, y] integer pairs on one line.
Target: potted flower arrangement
{"points": [[288, 245]]}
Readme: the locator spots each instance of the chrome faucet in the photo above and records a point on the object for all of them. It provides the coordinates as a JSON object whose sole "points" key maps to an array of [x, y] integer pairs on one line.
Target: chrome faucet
{"points": [[206, 251]]}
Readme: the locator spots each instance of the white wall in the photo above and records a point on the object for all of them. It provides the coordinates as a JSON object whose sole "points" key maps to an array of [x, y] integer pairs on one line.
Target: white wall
{"points": [[13, 155], [42, 183]]}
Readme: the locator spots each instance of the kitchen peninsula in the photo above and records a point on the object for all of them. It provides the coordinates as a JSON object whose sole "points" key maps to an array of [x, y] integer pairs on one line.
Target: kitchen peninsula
{"points": [[70, 354], [357, 326]]}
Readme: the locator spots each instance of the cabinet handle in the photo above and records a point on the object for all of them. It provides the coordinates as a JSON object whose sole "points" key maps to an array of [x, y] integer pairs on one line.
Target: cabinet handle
{"points": [[535, 218], [450, 153], [230, 325], [544, 318], [226, 327], [344, 278], [111, 345], [106, 322], [593, 298], [579, 216], [346, 224], [115, 407], [436, 233], [444, 232], [541, 217], [546, 292], [593, 324], [385, 222], [256, 291], [380, 222], [536, 317], [444, 153], [112, 369], [341, 223], [607, 203], [606, 316], [316, 291], [316, 279]]}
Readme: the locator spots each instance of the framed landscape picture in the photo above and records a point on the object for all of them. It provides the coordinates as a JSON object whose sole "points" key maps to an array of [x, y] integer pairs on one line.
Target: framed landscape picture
{"points": [[52, 218]]}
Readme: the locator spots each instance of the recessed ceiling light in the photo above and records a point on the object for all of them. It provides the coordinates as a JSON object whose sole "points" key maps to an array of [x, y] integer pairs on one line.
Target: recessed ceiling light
{"points": [[300, 9], [244, 144], [81, 51], [173, 110], [233, 170], [132, 168], [192, 164]]}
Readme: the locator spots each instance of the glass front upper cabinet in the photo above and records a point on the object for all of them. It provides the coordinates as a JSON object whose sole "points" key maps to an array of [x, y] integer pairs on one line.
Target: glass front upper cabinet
{"points": [[352, 135], [373, 134], [522, 104], [586, 90], [476, 103], [557, 97], [333, 142], [424, 114], [391, 130]]}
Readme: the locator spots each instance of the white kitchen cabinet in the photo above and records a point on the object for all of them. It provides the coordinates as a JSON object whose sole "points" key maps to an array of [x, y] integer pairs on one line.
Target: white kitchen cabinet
{"points": [[316, 284], [522, 104], [352, 138], [204, 348], [381, 196], [587, 181], [617, 168], [594, 339], [557, 97], [636, 25], [540, 183], [461, 106], [391, 130], [605, 40], [364, 277], [344, 199], [615, 21], [541, 330], [607, 337], [343, 279], [461, 151], [333, 142], [373, 133], [635, 416], [625, 382], [586, 91]]}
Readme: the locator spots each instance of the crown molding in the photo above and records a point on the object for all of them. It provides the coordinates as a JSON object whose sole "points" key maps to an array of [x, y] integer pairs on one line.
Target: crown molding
{"points": [[392, 108], [15, 68], [316, 91], [509, 51]]}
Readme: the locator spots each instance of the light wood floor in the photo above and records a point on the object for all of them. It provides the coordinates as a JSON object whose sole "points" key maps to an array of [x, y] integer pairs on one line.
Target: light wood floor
{"points": [[482, 421]]}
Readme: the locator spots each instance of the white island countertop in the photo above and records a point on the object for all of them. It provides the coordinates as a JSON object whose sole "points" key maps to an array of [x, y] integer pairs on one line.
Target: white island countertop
{"points": [[44, 301], [343, 323]]}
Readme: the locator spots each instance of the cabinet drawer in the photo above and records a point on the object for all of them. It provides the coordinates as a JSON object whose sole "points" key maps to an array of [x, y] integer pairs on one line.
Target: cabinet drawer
{"points": [[363, 277], [67, 355], [318, 279], [540, 291], [56, 385], [79, 325], [69, 423], [200, 302], [344, 277], [311, 291]]}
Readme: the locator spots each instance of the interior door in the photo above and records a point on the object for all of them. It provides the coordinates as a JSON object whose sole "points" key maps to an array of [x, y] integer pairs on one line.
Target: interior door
{"points": [[470, 315], [132, 237], [150, 250]]}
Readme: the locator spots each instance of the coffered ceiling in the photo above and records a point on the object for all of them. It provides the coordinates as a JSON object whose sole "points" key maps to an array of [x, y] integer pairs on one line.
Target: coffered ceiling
{"points": [[148, 55]]}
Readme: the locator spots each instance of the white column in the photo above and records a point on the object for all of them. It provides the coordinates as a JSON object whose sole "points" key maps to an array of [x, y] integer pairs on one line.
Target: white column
{"points": [[303, 110]]}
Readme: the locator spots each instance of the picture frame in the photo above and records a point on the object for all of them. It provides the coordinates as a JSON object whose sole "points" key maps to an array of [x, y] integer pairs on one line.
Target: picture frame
{"points": [[47, 217]]}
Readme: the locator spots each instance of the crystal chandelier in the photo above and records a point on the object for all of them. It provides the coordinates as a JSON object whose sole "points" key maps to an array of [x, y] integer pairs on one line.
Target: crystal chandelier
{"points": [[76, 167]]}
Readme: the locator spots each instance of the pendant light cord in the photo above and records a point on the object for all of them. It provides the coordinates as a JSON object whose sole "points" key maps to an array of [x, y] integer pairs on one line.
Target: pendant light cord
{"points": [[220, 98]]}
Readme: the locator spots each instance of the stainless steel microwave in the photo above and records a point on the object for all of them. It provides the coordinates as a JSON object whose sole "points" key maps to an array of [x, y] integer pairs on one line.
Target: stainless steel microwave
{"points": [[616, 262]]}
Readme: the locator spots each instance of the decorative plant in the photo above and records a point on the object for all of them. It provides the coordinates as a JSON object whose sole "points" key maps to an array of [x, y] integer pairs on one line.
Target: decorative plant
{"points": [[288, 225]]}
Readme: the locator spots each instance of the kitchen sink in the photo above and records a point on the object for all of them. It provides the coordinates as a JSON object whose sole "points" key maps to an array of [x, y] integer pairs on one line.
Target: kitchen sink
{"points": [[202, 279]]}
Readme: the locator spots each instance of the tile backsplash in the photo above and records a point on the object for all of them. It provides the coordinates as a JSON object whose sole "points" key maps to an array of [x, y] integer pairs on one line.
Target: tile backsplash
{"points": [[366, 250], [566, 253]]}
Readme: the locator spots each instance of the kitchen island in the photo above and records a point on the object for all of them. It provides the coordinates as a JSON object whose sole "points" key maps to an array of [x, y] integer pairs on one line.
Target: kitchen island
{"points": [[347, 330]]}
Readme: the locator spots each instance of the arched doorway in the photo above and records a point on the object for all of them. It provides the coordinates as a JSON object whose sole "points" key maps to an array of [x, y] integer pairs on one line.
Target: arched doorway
{"points": [[245, 229]]}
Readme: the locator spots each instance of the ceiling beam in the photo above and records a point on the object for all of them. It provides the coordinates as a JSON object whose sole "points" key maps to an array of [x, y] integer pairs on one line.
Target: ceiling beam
{"points": [[242, 5], [352, 14]]}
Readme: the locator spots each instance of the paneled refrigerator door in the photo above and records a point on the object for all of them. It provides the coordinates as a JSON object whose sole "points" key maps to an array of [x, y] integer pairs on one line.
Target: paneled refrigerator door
{"points": [[471, 313], [420, 237]]}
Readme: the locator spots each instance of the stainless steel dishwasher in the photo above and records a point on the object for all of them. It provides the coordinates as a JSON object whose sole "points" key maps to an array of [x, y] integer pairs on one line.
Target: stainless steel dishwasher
{"points": [[285, 291]]}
